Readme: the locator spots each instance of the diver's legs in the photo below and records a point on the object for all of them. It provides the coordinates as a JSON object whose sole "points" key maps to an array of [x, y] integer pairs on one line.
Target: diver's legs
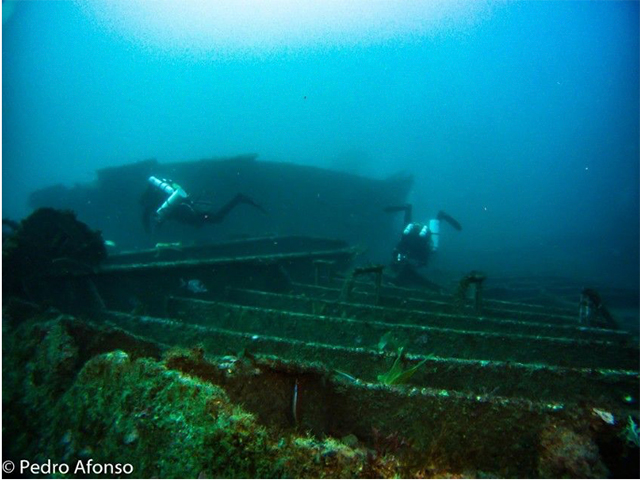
{"points": [[220, 215]]}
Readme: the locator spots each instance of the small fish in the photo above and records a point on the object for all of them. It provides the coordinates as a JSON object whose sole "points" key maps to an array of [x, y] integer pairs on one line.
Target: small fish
{"points": [[194, 286], [294, 403], [606, 417], [349, 377], [110, 244]]}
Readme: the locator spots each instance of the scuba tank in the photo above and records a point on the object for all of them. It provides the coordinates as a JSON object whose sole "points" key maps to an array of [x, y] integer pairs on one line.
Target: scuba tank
{"points": [[434, 228], [175, 192]]}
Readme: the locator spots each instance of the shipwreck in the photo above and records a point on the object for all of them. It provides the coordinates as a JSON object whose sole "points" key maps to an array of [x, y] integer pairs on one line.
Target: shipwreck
{"points": [[292, 358]]}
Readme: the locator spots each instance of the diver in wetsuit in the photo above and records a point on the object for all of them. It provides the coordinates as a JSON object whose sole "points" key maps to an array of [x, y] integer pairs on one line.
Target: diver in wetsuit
{"points": [[417, 243], [166, 200]]}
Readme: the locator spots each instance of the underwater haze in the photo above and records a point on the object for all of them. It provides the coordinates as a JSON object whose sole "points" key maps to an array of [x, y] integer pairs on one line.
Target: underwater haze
{"points": [[520, 119]]}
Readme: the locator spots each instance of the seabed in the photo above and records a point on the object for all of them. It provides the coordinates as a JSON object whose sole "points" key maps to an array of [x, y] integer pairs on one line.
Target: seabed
{"points": [[289, 365]]}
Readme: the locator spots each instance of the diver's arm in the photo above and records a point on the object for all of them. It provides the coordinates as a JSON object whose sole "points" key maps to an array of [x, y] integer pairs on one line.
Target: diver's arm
{"points": [[442, 215], [407, 208]]}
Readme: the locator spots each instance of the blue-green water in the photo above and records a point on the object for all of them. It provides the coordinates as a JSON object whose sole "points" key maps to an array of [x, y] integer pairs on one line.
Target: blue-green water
{"points": [[519, 118], [251, 347]]}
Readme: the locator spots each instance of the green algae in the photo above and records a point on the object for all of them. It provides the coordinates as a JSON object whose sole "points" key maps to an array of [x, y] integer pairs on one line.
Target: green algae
{"points": [[127, 407], [397, 375]]}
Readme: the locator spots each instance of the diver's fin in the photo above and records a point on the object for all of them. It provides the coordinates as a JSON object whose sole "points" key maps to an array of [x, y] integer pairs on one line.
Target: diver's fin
{"points": [[442, 215], [219, 216], [249, 201]]}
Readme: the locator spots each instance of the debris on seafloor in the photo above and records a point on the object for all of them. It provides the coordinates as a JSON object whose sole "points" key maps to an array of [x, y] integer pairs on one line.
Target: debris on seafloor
{"points": [[194, 285], [593, 312], [471, 284]]}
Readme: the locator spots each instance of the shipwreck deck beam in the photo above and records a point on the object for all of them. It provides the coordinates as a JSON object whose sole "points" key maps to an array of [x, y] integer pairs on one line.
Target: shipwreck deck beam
{"points": [[304, 304], [443, 342], [508, 311], [600, 387]]}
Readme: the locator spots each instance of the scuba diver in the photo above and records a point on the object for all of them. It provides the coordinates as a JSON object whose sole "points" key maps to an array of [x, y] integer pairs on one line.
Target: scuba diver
{"points": [[416, 245], [166, 200]]}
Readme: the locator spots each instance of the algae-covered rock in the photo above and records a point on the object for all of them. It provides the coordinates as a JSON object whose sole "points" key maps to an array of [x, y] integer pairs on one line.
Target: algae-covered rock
{"points": [[163, 423], [47, 241], [129, 407], [167, 424], [41, 359], [569, 454]]}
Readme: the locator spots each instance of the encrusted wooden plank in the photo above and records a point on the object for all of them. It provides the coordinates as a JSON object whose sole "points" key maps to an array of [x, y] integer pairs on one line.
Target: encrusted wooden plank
{"points": [[160, 265], [394, 291], [424, 340], [477, 377], [486, 433], [305, 304], [235, 249], [508, 311]]}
